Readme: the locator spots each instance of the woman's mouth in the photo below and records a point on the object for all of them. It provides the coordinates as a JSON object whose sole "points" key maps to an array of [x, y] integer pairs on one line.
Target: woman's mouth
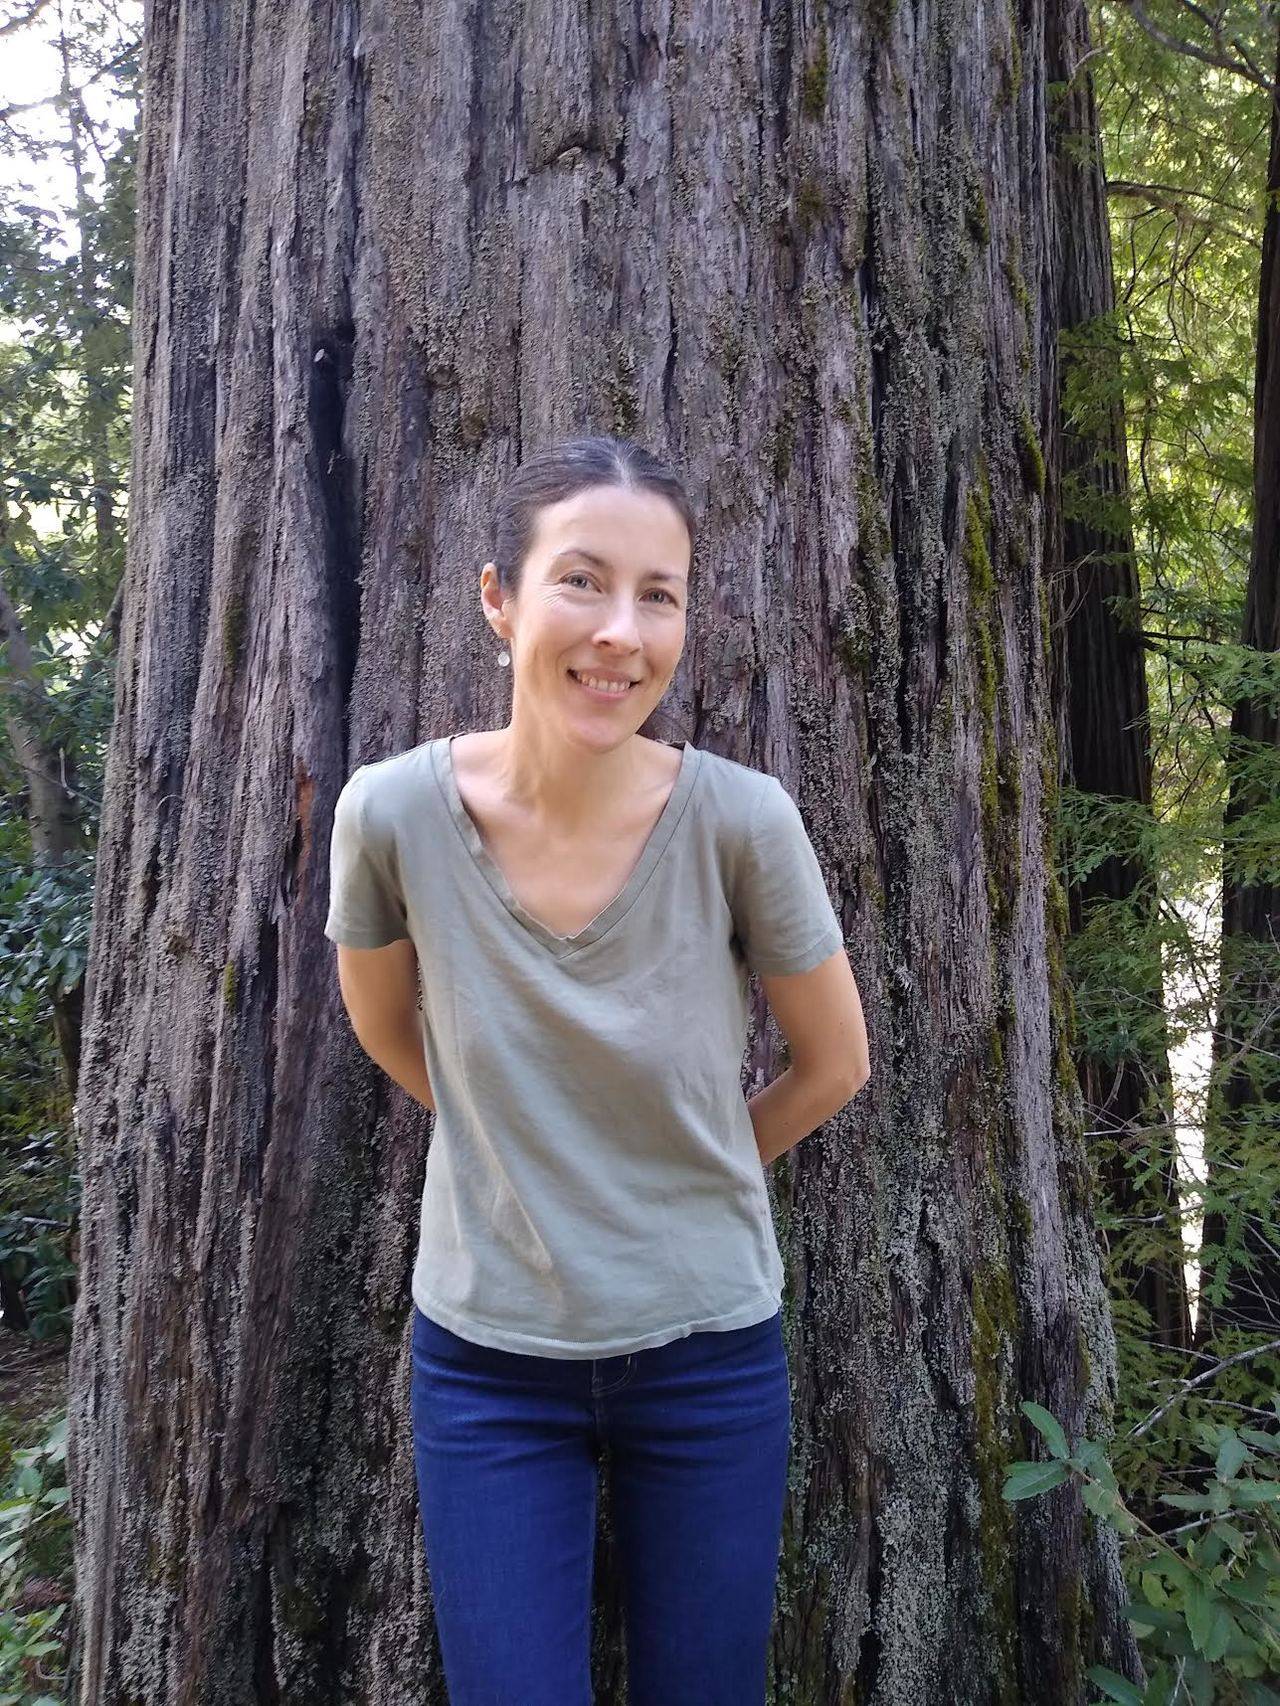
{"points": [[617, 690]]}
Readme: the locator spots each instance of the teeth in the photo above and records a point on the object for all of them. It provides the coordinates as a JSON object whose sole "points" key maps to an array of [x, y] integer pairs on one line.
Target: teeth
{"points": [[614, 687]]}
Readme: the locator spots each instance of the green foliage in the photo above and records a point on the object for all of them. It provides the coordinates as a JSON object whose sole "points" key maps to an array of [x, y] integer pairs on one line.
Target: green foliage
{"points": [[1185, 151], [37, 1491], [41, 1197], [26, 1641], [66, 288], [45, 911], [44, 927], [1208, 1605], [35, 1542]]}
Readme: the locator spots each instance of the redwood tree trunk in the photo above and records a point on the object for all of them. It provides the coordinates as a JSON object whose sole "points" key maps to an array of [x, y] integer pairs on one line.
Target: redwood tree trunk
{"points": [[1101, 686], [392, 253], [1247, 1036]]}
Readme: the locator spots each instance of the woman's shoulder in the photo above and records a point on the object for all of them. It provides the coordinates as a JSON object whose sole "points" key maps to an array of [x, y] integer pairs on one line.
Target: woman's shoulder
{"points": [[731, 793], [394, 766], [384, 786], [733, 779]]}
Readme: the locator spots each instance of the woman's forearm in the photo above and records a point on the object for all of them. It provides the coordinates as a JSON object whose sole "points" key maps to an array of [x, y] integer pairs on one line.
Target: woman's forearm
{"points": [[399, 1053], [791, 1106], [786, 1110]]}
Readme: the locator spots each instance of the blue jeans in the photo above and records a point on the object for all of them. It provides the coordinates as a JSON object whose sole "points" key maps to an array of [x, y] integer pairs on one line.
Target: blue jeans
{"points": [[507, 1448]]}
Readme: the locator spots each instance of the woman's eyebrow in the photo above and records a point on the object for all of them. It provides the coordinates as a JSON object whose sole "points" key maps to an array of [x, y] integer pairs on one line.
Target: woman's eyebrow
{"points": [[601, 563]]}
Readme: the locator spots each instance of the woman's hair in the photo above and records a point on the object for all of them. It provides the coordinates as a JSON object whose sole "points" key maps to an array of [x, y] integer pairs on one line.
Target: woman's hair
{"points": [[558, 472]]}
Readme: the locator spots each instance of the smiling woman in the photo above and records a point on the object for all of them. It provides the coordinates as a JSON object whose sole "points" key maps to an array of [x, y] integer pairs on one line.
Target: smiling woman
{"points": [[585, 907]]}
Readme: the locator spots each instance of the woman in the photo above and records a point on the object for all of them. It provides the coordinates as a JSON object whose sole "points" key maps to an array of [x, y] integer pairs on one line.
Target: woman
{"points": [[580, 907]]}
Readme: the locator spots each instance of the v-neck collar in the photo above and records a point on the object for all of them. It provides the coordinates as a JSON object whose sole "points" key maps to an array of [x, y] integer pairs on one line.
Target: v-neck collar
{"points": [[659, 839]]}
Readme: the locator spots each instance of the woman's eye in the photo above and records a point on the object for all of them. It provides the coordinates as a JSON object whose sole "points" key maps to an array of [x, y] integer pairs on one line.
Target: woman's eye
{"points": [[578, 575]]}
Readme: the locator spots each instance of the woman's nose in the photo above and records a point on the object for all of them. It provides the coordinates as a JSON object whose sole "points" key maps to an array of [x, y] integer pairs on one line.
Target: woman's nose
{"points": [[619, 627]]}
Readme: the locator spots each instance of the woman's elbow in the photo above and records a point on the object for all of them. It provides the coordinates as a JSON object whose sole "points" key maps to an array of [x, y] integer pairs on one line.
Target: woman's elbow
{"points": [[861, 1076]]}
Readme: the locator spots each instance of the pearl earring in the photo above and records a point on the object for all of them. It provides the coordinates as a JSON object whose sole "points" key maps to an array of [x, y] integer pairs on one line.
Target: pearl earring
{"points": [[504, 657]]}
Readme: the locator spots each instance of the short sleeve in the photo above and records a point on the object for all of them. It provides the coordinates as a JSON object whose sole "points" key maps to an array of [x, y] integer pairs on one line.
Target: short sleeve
{"points": [[783, 915], [366, 906]]}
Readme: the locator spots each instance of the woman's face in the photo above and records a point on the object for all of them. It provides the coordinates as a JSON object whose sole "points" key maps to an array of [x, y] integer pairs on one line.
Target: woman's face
{"points": [[603, 593]]}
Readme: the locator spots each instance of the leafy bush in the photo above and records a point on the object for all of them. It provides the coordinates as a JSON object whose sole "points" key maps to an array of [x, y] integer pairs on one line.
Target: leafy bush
{"points": [[1208, 1613], [35, 1549]]}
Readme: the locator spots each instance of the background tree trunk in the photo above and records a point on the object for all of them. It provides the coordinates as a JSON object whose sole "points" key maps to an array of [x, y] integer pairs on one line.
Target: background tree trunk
{"points": [[1247, 1035], [381, 256], [1101, 687]]}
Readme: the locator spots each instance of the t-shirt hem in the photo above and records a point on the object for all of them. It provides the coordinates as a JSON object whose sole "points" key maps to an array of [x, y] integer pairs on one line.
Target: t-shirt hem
{"points": [[749, 1314], [355, 936], [831, 939]]}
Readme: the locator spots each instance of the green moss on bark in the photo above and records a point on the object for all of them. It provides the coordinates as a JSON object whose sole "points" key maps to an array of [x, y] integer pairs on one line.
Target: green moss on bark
{"points": [[1030, 455], [853, 649], [813, 92], [780, 445], [300, 1611], [994, 1328], [233, 625], [1017, 284], [1015, 58], [811, 202], [976, 219], [879, 16], [982, 604], [1046, 650]]}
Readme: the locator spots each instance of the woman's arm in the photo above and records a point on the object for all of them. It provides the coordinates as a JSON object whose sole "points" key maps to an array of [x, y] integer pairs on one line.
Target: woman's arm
{"points": [[819, 1012], [380, 992]]}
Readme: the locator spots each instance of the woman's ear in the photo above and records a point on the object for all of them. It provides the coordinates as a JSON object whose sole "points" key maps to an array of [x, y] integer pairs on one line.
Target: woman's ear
{"points": [[492, 602]]}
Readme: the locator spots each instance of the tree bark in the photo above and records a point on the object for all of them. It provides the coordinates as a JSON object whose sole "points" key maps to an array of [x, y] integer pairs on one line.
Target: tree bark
{"points": [[382, 255]]}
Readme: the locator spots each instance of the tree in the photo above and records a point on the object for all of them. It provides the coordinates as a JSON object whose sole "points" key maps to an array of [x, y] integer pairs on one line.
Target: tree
{"points": [[373, 270], [1101, 687], [1203, 391], [64, 351], [1245, 1292]]}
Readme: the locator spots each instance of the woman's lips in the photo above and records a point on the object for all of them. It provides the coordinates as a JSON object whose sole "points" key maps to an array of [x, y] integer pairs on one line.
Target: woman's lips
{"points": [[599, 692]]}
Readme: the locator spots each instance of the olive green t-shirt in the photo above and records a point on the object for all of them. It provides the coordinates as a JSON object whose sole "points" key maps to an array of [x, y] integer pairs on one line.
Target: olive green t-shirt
{"points": [[593, 1185]]}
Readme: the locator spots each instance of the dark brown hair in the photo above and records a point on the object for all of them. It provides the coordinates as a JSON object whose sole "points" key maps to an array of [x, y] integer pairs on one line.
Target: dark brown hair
{"points": [[559, 471]]}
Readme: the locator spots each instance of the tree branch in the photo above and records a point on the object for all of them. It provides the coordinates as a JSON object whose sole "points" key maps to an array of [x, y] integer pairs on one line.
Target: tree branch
{"points": [[6, 113], [1170, 195], [1188, 1385], [21, 23], [1242, 67]]}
